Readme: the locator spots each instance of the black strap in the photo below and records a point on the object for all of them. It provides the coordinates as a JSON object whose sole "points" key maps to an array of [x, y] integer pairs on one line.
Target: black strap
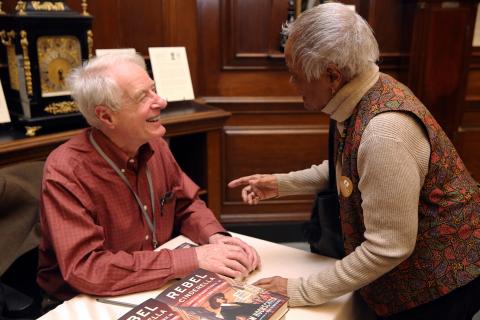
{"points": [[332, 181]]}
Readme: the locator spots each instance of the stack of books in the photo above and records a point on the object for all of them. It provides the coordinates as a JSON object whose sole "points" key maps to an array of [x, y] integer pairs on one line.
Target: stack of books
{"points": [[207, 295]]}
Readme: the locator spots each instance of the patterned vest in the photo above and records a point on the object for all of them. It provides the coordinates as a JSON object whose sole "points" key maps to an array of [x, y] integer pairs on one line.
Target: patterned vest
{"points": [[447, 251]]}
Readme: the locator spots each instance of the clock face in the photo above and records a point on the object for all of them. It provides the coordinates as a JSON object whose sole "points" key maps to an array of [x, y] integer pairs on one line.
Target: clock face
{"points": [[57, 56]]}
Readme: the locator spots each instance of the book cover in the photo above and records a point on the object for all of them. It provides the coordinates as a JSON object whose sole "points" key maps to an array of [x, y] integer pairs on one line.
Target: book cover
{"points": [[186, 245], [151, 309], [207, 295]]}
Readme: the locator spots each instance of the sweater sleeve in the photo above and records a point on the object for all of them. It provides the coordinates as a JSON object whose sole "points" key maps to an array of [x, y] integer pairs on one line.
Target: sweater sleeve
{"points": [[307, 181], [392, 163]]}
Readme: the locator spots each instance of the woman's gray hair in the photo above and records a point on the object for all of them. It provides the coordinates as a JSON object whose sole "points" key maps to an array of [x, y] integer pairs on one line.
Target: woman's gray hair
{"points": [[332, 33], [93, 84]]}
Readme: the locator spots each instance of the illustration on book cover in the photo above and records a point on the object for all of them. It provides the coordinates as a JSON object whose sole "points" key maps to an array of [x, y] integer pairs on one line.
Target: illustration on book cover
{"points": [[207, 295]]}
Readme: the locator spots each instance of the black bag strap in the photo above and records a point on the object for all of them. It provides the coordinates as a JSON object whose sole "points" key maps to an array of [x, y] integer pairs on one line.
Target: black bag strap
{"points": [[332, 181]]}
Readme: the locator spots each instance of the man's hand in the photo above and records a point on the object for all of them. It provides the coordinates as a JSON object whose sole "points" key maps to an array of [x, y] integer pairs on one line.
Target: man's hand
{"points": [[257, 187], [225, 259], [252, 255], [277, 284]]}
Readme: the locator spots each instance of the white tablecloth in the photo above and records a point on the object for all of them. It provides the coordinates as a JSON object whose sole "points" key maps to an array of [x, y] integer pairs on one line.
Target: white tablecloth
{"points": [[276, 260]]}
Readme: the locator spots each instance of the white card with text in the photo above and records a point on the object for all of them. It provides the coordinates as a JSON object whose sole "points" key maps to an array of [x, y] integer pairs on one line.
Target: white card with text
{"points": [[171, 73], [4, 115]]}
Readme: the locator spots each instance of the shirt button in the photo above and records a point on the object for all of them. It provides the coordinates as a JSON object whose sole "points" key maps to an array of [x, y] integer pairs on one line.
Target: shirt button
{"points": [[123, 170], [146, 237], [145, 207]]}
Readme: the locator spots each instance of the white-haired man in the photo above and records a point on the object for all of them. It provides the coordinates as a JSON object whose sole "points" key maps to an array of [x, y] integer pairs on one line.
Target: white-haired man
{"points": [[114, 193], [409, 210]]}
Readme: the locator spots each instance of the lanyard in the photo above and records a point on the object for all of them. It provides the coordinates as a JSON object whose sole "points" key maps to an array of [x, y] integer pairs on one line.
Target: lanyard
{"points": [[151, 225]]}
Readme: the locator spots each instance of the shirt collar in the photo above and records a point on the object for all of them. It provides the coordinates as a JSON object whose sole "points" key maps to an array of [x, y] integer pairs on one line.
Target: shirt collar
{"points": [[341, 106], [120, 158]]}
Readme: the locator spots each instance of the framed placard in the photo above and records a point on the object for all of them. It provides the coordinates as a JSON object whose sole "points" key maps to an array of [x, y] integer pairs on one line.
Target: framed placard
{"points": [[4, 115], [102, 52], [476, 32], [171, 73]]}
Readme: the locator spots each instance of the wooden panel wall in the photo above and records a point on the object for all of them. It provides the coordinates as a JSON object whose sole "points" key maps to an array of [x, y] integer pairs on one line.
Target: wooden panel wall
{"points": [[468, 136], [141, 24]]}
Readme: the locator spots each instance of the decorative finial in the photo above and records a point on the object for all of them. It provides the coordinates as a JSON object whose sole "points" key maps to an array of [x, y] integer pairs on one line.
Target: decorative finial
{"points": [[84, 8], [1, 10], [31, 131], [20, 8], [90, 43]]}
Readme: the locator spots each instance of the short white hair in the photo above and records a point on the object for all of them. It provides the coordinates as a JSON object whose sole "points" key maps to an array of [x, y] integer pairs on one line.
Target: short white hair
{"points": [[93, 84], [332, 33]]}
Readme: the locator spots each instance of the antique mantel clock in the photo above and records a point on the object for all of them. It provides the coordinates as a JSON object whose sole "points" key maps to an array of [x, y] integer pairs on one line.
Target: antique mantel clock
{"points": [[44, 41]]}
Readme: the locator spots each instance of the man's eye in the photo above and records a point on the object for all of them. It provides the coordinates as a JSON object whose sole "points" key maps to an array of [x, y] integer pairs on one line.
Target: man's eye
{"points": [[141, 98]]}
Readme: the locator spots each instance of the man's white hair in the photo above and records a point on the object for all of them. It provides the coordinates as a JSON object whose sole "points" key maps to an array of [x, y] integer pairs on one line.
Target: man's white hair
{"points": [[332, 33], [93, 84]]}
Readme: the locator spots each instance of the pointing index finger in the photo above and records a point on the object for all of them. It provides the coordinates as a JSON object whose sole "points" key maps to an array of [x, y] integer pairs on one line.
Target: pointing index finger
{"points": [[243, 181]]}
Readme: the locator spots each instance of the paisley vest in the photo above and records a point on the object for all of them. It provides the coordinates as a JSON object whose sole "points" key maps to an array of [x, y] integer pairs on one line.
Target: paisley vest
{"points": [[447, 250]]}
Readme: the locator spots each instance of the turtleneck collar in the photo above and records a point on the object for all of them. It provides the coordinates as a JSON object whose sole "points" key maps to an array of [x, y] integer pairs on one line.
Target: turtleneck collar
{"points": [[341, 106]]}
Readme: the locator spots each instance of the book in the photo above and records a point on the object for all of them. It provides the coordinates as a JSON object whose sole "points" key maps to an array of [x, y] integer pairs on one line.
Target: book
{"points": [[207, 295], [184, 245], [151, 309]]}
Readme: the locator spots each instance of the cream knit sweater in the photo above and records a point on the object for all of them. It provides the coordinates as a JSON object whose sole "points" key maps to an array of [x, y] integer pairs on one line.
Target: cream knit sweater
{"points": [[393, 161]]}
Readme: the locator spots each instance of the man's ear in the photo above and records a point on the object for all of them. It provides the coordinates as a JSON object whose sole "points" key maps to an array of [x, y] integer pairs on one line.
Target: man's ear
{"points": [[105, 115]]}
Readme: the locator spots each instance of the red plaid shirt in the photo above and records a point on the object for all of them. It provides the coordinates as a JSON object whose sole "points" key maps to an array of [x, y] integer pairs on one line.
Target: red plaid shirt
{"points": [[95, 239]]}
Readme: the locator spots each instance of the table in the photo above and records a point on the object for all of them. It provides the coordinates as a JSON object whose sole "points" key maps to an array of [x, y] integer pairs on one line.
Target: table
{"points": [[277, 259]]}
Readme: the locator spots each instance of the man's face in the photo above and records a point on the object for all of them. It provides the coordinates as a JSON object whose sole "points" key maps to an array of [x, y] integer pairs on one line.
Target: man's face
{"points": [[138, 121], [315, 93]]}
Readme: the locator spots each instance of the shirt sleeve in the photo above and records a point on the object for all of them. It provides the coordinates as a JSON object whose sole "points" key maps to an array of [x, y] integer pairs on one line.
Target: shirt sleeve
{"points": [[85, 263], [307, 181], [392, 164]]}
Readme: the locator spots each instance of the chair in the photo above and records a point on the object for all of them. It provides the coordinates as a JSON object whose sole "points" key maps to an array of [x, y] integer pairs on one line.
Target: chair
{"points": [[20, 296]]}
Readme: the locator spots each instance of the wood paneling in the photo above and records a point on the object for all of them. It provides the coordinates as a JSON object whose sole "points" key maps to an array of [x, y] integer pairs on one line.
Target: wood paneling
{"points": [[268, 135], [141, 24], [392, 22], [438, 67], [249, 42], [269, 149], [220, 81], [468, 140]]}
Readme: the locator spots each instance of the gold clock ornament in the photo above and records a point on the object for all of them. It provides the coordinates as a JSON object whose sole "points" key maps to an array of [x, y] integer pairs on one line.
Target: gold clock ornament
{"points": [[43, 42], [57, 56]]}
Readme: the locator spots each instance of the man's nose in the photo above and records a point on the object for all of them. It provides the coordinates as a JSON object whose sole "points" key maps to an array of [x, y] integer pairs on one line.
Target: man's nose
{"points": [[160, 102]]}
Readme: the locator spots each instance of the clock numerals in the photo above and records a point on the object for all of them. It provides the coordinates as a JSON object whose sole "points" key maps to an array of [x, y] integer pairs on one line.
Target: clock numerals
{"points": [[57, 56]]}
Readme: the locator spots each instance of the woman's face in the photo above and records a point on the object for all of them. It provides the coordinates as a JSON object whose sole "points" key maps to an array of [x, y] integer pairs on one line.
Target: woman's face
{"points": [[315, 93], [221, 300]]}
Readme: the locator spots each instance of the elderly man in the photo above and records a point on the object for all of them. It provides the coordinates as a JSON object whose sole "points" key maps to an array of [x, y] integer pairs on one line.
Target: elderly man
{"points": [[409, 210], [114, 193]]}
